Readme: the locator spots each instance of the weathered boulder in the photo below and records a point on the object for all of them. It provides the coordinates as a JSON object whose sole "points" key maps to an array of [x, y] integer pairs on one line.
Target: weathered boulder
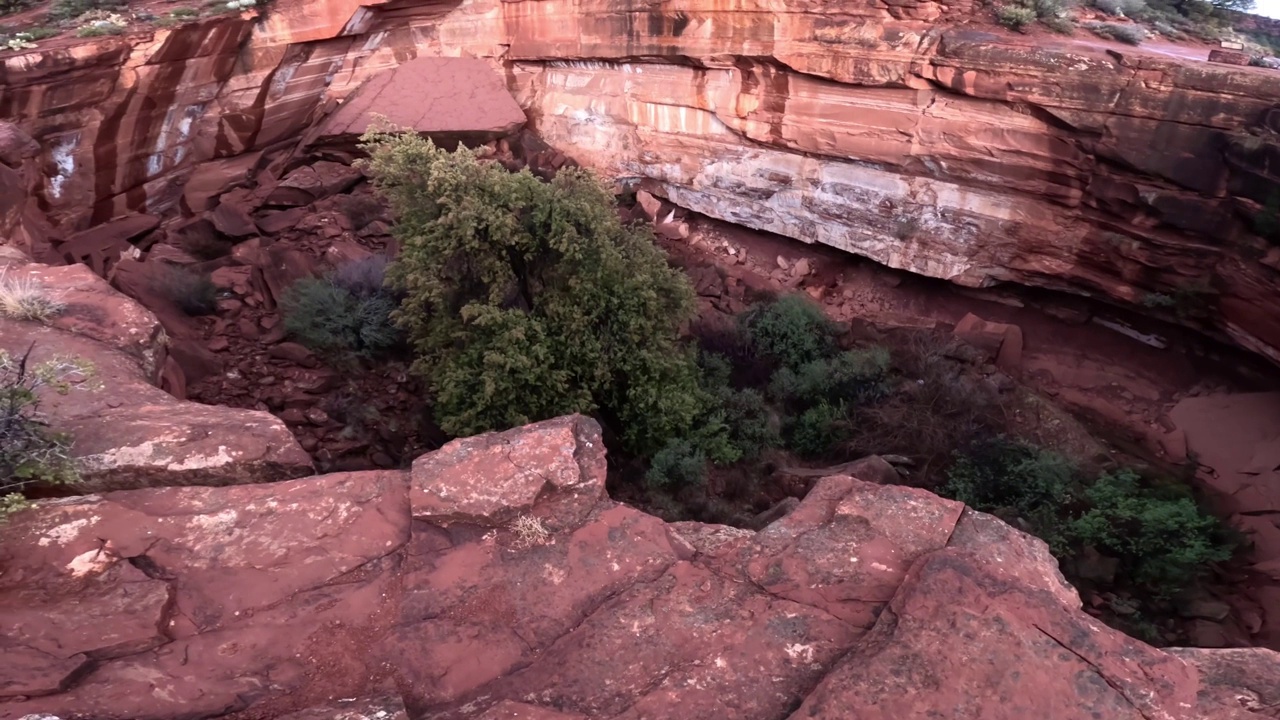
{"points": [[311, 598], [127, 432]]}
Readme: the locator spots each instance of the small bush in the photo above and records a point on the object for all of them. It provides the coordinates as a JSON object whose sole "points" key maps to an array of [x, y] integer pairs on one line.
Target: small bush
{"points": [[1121, 8], [193, 293], [31, 453], [99, 30], [1060, 25], [1015, 17], [1131, 34], [1003, 474], [26, 298], [1157, 300], [39, 32], [1165, 542], [68, 9], [184, 12], [791, 332], [676, 466], [1048, 9], [360, 209], [818, 430], [856, 376], [8, 7], [330, 318], [1169, 31]]}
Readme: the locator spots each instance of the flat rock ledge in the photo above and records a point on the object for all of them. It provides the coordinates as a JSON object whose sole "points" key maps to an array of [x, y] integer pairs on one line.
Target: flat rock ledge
{"points": [[497, 581]]}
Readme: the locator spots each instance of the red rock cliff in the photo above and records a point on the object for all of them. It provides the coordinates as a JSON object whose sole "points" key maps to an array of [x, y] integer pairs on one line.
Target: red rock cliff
{"points": [[882, 129]]}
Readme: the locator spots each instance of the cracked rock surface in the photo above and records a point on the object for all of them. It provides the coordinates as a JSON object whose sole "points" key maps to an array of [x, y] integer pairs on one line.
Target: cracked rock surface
{"points": [[401, 595]]}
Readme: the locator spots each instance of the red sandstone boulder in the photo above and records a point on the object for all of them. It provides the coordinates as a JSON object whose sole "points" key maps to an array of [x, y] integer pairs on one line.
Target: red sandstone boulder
{"points": [[1228, 57], [1000, 341], [490, 479], [539, 599], [15, 145], [129, 433], [449, 99]]}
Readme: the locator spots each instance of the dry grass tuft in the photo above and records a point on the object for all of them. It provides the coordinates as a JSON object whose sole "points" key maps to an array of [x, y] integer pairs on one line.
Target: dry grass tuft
{"points": [[26, 298], [530, 531]]}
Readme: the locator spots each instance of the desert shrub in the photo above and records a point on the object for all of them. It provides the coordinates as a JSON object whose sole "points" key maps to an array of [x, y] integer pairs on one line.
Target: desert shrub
{"points": [[193, 293], [345, 314], [31, 453], [39, 32], [731, 344], [527, 299], [8, 7], [791, 331], [677, 465], [1169, 31], [26, 298], [1015, 17], [184, 12], [856, 376], [1006, 475], [1164, 541], [1157, 300], [935, 408], [1132, 34], [99, 30], [1048, 9], [750, 426], [818, 430], [360, 209], [1121, 8], [1061, 25], [68, 9]]}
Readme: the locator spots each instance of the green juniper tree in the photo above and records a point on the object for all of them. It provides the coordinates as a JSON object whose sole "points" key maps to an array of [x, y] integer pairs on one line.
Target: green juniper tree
{"points": [[526, 299]]}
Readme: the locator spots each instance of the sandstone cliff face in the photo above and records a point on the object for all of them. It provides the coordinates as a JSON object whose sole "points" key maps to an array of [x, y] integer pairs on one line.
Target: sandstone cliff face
{"points": [[878, 129], [496, 580]]}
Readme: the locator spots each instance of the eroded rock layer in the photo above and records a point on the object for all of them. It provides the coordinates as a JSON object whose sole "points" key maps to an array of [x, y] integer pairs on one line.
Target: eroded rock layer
{"points": [[497, 580], [880, 128]]}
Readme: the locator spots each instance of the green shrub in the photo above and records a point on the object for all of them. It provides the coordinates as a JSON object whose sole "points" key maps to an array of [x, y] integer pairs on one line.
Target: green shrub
{"points": [[8, 7], [791, 331], [1061, 25], [856, 376], [1121, 8], [31, 453], [40, 33], [1157, 300], [194, 294], [184, 12], [526, 299], [818, 430], [1006, 475], [1132, 34], [99, 30], [345, 314], [1015, 17], [68, 9], [676, 466], [1164, 542]]}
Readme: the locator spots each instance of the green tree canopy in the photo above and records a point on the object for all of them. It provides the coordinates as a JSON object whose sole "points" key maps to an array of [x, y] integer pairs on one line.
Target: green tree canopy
{"points": [[525, 299]]}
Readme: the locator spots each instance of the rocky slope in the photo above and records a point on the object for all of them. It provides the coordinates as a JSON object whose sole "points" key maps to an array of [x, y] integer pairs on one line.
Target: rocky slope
{"points": [[496, 580], [883, 129]]}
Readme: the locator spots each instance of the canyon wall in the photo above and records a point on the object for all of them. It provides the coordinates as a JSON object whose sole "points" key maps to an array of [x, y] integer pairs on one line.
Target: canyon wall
{"points": [[887, 129]]}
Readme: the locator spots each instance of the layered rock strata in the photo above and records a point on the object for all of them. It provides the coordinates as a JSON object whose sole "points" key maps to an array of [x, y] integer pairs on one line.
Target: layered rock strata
{"points": [[496, 580], [882, 129]]}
